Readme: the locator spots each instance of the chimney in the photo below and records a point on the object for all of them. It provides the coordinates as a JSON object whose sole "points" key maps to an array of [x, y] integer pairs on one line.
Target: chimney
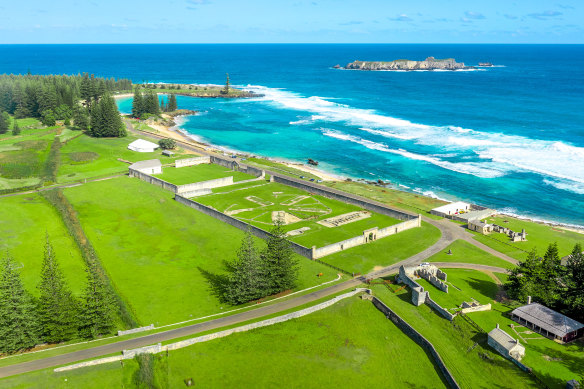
{"points": [[497, 325], [528, 300]]}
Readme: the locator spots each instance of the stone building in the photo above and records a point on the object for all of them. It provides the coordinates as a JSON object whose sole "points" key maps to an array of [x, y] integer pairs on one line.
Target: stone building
{"points": [[479, 226], [505, 344], [548, 322], [151, 166]]}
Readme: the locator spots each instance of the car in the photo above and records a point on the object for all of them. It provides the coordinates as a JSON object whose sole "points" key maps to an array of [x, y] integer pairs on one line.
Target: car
{"points": [[302, 177], [234, 156], [319, 181], [425, 264], [312, 179]]}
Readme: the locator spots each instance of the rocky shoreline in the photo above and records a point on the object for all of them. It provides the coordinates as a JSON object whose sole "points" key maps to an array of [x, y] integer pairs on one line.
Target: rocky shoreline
{"points": [[429, 63]]}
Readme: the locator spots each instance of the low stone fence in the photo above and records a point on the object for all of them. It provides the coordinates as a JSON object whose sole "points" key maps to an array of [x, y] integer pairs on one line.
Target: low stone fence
{"points": [[134, 330], [192, 161], [433, 279], [256, 231], [233, 165], [209, 184], [419, 339], [154, 349], [475, 308], [439, 308]]}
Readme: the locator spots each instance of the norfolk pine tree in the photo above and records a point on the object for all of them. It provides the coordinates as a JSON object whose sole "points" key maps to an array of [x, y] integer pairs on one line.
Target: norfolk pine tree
{"points": [[575, 282], [138, 103], [278, 262], [15, 128], [19, 327], [3, 123], [97, 308], [56, 306]]}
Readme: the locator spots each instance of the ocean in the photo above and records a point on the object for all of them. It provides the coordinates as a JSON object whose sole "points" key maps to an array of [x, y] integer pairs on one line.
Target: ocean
{"points": [[510, 137]]}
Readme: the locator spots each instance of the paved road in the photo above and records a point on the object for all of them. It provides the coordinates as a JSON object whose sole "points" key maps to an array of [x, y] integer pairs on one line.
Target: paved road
{"points": [[450, 233]]}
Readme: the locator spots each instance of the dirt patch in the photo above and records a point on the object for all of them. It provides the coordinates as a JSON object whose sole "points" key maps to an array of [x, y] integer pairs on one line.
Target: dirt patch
{"points": [[285, 217]]}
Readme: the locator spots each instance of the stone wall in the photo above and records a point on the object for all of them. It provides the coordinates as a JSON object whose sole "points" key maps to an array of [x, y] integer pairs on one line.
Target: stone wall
{"points": [[134, 330], [433, 279], [192, 161], [441, 275], [419, 339], [209, 184], [439, 308], [476, 308], [338, 246], [346, 198], [260, 233], [153, 180], [154, 349], [233, 165]]}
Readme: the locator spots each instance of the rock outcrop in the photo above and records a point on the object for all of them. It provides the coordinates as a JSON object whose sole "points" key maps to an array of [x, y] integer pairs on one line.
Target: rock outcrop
{"points": [[430, 63]]}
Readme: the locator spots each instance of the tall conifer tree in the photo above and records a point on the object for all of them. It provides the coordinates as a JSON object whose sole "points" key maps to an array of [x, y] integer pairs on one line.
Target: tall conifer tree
{"points": [[19, 328], [278, 262], [138, 103], [57, 307], [246, 281], [3, 123], [97, 308]]}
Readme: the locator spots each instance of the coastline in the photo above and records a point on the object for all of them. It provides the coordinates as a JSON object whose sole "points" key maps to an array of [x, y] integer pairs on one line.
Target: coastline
{"points": [[177, 133]]}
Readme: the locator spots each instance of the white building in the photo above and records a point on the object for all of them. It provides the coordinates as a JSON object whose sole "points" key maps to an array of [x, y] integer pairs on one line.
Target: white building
{"points": [[451, 209], [142, 146], [505, 344]]}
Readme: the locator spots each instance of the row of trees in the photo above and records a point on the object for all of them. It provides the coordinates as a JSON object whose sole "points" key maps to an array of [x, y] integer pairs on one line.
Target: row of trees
{"points": [[146, 103], [56, 315], [256, 274], [548, 281], [5, 124]]}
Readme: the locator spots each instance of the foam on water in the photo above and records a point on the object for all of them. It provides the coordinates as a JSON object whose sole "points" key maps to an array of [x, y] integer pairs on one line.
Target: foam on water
{"points": [[500, 153]]}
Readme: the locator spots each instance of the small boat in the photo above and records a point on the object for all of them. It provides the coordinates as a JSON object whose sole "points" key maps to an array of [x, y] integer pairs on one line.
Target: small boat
{"points": [[312, 162], [485, 64]]}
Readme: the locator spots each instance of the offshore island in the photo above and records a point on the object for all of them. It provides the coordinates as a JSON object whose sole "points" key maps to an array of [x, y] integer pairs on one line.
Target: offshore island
{"points": [[429, 63]]}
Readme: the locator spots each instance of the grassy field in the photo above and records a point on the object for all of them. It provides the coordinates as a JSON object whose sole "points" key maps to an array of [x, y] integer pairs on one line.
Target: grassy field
{"points": [[280, 168], [246, 204], [24, 220], [463, 285], [112, 375], [538, 236], [384, 252], [467, 253], [158, 251], [198, 173], [87, 157], [408, 201], [463, 348]]}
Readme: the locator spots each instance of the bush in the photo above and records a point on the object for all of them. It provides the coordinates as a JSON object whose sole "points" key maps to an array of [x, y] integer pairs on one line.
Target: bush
{"points": [[167, 144]]}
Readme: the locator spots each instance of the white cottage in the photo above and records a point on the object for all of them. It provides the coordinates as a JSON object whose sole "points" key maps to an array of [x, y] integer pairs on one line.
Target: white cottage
{"points": [[142, 146], [152, 166], [505, 344]]}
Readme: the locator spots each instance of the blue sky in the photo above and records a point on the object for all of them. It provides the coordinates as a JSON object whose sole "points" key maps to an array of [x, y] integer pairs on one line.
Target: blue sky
{"points": [[294, 21]]}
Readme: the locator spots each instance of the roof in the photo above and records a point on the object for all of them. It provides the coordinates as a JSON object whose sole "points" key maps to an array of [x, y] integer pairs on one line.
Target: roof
{"points": [[452, 207], [478, 223], [150, 163], [143, 144], [504, 339], [548, 319]]}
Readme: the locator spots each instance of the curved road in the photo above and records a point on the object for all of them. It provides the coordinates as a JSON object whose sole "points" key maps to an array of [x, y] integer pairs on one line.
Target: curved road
{"points": [[450, 233]]}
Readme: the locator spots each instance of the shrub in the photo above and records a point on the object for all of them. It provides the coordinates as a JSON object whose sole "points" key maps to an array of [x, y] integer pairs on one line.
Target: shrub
{"points": [[167, 144]]}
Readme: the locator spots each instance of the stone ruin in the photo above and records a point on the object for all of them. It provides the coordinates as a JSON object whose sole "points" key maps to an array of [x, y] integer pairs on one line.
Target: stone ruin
{"points": [[514, 236], [428, 272]]}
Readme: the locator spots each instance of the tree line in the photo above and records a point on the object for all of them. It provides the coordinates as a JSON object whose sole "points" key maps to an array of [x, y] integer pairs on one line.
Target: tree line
{"points": [[145, 104], [255, 274], [546, 280], [56, 315], [60, 97]]}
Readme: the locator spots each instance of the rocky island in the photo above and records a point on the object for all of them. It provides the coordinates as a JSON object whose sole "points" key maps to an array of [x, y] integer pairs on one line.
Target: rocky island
{"points": [[429, 63]]}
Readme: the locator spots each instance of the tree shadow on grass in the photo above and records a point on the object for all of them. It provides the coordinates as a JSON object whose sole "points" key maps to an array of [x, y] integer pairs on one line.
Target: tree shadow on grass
{"points": [[486, 288], [218, 283]]}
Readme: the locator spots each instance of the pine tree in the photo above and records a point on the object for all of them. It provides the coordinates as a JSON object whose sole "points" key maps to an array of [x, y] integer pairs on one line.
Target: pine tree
{"points": [[86, 91], [15, 128], [575, 282], [226, 88], [81, 118], [57, 307], [3, 123], [245, 281], [97, 308], [151, 103], [19, 327], [106, 120], [523, 279], [278, 262], [138, 103], [548, 283], [172, 105]]}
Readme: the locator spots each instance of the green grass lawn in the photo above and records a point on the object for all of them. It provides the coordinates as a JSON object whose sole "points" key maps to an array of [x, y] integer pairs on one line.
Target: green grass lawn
{"points": [[22, 159], [24, 220], [111, 375], [155, 250], [384, 252], [412, 202], [310, 209], [538, 236], [87, 157], [198, 173], [464, 349], [551, 362], [280, 168], [465, 252], [345, 345], [463, 285]]}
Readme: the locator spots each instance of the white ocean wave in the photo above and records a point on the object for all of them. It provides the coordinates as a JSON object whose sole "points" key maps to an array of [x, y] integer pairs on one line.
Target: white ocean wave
{"points": [[569, 186], [505, 153]]}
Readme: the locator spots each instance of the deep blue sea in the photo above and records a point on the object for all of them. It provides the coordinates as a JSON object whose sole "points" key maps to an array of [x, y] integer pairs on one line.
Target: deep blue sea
{"points": [[509, 137]]}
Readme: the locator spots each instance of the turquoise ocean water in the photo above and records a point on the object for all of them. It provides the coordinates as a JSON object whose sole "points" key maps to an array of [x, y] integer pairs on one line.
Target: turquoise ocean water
{"points": [[509, 137]]}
